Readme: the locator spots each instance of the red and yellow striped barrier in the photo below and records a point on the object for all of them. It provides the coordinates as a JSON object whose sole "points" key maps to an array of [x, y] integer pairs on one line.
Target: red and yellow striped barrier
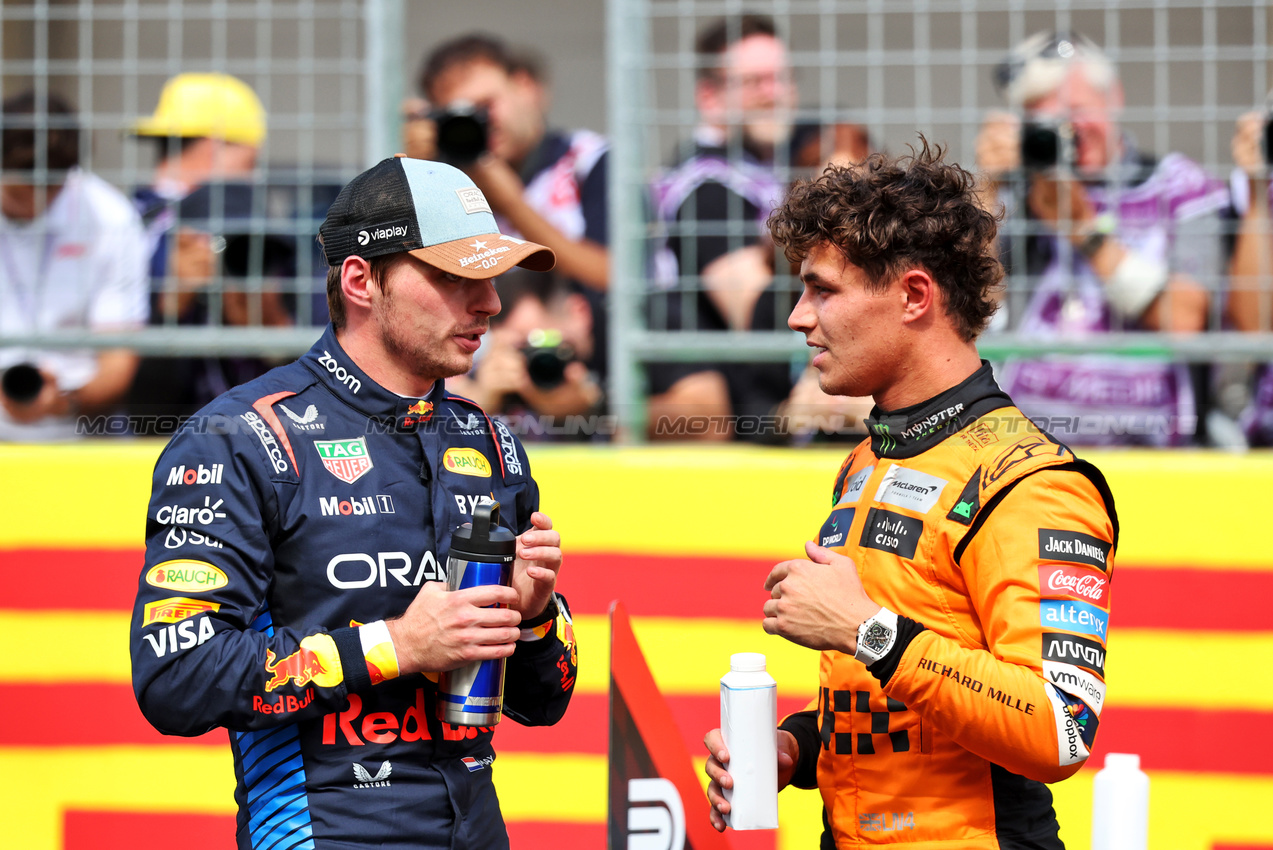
{"points": [[684, 537]]}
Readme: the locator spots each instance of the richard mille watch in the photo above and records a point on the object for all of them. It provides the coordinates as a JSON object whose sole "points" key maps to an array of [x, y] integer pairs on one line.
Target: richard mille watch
{"points": [[876, 637]]}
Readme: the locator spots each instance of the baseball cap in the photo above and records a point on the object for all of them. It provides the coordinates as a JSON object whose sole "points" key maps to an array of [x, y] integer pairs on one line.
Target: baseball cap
{"points": [[429, 210]]}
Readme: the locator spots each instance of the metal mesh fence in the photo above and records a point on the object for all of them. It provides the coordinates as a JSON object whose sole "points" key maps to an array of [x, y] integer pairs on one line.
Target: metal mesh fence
{"points": [[894, 69], [329, 75]]}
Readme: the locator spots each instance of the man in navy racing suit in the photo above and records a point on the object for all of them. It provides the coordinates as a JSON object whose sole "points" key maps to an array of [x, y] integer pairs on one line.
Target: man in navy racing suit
{"points": [[297, 536]]}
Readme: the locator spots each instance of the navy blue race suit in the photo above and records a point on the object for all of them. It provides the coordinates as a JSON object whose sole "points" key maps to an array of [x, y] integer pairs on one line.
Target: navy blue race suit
{"points": [[299, 507]]}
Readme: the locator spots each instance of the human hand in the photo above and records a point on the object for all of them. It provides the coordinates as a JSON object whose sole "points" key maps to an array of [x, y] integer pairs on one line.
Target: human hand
{"points": [[577, 393], [50, 401], [445, 629], [819, 602], [498, 181], [419, 132], [998, 148], [1248, 144], [535, 570], [718, 758], [1062, 203], [735, 281], [192, 261]]}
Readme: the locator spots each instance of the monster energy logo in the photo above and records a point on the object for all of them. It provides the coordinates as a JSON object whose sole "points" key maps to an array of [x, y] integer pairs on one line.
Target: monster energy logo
{"points": [[886, 438]]}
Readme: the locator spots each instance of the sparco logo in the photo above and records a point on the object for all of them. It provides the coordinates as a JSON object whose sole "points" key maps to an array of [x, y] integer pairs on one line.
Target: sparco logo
{"points": [[1079, 583], [199, 475], [266, 436], [389, 231], [511, 461], [1069, 649], [340, 373]]}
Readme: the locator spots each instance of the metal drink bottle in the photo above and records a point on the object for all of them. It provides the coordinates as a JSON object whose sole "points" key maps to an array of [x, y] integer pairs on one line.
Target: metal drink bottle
{"points": [[482, 552]]}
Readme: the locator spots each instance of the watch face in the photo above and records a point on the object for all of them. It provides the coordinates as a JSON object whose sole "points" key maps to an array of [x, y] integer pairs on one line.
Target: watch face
{"points": [[877, 637]]}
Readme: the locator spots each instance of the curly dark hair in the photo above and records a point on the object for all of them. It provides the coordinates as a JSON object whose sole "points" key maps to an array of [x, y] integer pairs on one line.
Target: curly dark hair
{"points": [[888, 215]]}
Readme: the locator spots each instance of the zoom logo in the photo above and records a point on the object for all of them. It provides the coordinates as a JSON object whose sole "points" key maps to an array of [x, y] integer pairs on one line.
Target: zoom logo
{"points": [[655, 827]]}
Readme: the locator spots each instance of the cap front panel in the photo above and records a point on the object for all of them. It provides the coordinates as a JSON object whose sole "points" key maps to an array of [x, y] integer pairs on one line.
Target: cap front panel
{"points": [[447, 204]]}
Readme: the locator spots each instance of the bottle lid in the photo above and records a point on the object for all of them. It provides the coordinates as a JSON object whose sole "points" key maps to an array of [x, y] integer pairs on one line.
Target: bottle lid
{"points": [[1122, 761], [747, 662]]}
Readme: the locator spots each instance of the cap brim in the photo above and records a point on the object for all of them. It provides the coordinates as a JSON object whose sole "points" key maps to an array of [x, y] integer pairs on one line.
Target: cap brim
{"points": [[482, 257]]}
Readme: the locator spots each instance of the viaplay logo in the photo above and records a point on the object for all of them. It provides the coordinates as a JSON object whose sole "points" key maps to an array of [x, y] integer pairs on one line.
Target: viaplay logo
{"points": [[393, 230]]}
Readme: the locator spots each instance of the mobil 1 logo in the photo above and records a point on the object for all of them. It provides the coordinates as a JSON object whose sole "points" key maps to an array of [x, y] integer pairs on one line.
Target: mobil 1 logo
{"points": [[890, 532]]}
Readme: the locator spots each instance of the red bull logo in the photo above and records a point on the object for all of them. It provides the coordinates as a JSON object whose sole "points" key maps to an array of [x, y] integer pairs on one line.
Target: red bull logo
{"points": [[423, 409], [301, 667]]}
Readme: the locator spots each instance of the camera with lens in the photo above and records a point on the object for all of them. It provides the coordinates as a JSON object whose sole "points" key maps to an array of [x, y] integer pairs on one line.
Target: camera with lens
{"points": [[22, 383], [547, 356], [1045, 145], [463, 132]]}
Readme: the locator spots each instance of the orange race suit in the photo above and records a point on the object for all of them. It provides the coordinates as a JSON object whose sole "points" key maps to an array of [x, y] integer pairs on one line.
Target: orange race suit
{"points": [[994, 545]]}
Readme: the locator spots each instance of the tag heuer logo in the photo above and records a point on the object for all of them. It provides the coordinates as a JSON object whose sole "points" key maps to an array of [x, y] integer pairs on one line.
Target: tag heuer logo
{"points": [[348, 460]]}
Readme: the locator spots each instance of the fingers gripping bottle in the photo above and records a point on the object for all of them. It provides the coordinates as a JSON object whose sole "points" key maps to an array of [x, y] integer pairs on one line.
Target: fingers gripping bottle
{"points": [[482, 552], [749, 724]]}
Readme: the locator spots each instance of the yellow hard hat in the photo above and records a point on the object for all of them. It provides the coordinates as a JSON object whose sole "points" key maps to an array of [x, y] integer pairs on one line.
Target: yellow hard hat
{"points": [[216, 106]]}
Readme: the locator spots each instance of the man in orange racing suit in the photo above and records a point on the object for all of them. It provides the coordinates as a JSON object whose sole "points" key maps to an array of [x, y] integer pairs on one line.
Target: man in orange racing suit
{"points": [[959, 588]]}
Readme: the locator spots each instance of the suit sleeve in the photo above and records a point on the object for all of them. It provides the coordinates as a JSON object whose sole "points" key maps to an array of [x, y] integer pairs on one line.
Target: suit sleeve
{"points": [[204, 651], [1037, 571], [540, 676]]}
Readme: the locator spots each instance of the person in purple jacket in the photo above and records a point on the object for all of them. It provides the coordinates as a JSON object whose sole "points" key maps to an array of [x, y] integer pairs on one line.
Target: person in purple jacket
{"points": [[1108, 239]]}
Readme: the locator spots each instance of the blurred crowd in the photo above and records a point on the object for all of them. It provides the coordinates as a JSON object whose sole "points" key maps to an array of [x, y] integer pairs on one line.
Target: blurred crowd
{"points": [[1099, 237]]}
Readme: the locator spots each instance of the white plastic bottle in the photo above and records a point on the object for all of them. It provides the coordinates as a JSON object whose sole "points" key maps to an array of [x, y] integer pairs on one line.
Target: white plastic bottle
{"points": [[749, 723], [1120, 804]]}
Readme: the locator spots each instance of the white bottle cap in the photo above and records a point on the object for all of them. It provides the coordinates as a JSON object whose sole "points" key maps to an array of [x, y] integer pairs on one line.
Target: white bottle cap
{"points": [[747, 662], [1122, 761]]}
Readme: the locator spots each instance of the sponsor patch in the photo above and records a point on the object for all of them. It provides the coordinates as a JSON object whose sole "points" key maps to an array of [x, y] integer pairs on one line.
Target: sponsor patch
{"points": [[355, 505], [1073, 617], [1077, 682], [199, 474], [266, 436], [512, 462], [1075, 583], [307, 421], [468, 504], [186, 576], [467, 462], [178, 537], [910, 488], [381, 232], [890, 532], [855, 484], [176, 608], [969, 501], [1072, 649], [180, 636], [835, 531], [1074, 547], [472, 200], [315, 661], [348, 460], [1070, 746], [205, 515], [340, 373]]}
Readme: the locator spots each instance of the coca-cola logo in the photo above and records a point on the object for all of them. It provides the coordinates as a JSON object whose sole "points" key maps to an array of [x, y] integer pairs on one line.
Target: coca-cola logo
{"points": [[1076, 582]]}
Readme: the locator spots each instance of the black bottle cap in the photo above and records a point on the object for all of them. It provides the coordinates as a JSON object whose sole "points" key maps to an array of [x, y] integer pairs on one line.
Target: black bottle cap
{"points": [[484, 539]]}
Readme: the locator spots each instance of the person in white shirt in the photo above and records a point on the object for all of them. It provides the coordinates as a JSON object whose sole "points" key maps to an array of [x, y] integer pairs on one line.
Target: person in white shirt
{"points": [[72, 255]]}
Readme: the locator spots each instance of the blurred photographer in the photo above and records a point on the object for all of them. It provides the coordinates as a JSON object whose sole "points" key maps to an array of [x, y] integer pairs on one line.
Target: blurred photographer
{"points": [[1109, 239], [533, 359], [72, 257], [1250, 301], [489, 105]]}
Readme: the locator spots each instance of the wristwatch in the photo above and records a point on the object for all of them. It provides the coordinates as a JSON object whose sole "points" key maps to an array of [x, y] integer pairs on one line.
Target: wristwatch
{"points": [[876, 637]]}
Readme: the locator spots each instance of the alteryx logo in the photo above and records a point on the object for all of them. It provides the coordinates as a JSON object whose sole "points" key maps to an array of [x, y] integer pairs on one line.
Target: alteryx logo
{"points": [[393, 230]]}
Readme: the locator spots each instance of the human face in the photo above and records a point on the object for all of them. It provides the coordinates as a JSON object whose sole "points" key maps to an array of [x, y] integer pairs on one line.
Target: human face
{"points": [[513, 104], [429, 322], [852, 328], [24, 202], [1090, 110], [759, 93]]}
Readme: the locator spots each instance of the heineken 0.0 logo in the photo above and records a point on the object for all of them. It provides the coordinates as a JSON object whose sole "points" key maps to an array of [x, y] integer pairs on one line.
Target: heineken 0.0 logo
{"points": [[348, 460]]}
